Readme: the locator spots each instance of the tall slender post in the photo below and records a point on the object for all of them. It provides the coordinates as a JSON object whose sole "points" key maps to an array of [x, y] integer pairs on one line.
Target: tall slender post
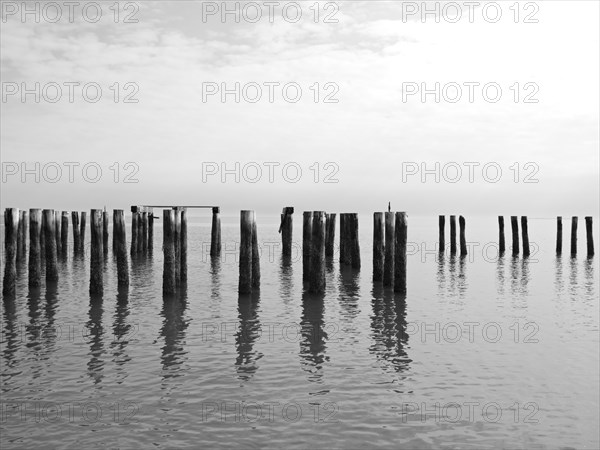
{"points": [[120, 239], [463, 240], [96, 251], [589, 235], [286, 229], [317, 257], [144, 231], [343, 246], [169, 286], [76, 237], [11, 228], [514, 225], [177, 243], [57, 233], [140, 231], [43, 242], [378, 246], [574, 235], [64, 234], [389, 249], [502, 241], [105, 233], [401, 235], [442, 234], [453, 235], [330, 234], [245, 268], [150, 230], [354, 241], [82, 233], [215, 232], [25, 219], [134, 230], [183, 238], [35, 254], [50, 243], [525, 235], [20, 249], [307, 219], [559, 234], [255, 256]]}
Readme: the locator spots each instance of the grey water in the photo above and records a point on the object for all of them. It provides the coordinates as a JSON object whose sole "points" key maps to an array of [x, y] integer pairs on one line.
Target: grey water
{"points": [[482, 352]]}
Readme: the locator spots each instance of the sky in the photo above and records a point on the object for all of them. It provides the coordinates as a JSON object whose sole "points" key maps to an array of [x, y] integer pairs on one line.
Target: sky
{"points": [[360, 135]]}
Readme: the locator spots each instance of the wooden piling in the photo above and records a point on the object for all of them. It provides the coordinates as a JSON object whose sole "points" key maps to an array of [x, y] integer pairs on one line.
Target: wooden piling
{"points": [[150, 230], [317, 258], [145, 231], [463, 240], [50, 246], [442, 234], [11, 229], [525, 236], [105, 233], [35, 254], [559, 234], [120, 247], [378, 245], [344, 250], [589, 235], [82, 233], [307, 219], [453, 235], [96, 251], [330, 234], [514, 225], [140, 231], [25, 220], [354, 241], [134, 230], [286, 230], [215, 232], [64, 234], [20, 248], [245, 267], [57, 233], [389, 249], [255, 256], [502, 241], [574, 220], [169, 285], [176, 242], [76, 237], [43, 241], [183, 238], [401, 234]]}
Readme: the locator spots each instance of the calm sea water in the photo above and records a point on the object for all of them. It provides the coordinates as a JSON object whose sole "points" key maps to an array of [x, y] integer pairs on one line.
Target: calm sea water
{"points": [[481, 353]]}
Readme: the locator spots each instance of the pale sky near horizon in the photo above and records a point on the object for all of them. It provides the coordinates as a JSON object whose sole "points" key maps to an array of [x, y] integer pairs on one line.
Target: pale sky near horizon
{"points": [[170, 134]]}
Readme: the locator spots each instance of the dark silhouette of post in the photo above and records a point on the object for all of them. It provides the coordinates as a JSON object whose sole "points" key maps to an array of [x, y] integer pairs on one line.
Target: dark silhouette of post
{"points": [[245, 279], [76, 236], [514, 226], [57, 233], [105, 233], [378, 245], [525, 234], [82, 233], [354, 241], [50, 246], [343, 239], [64, 234], [589, 235], [255, 256], [453, 235], [307, 219], [463, 240], [401, 234], [11, 229], [215, 232], [442, 234], [120, 238], [502, 241], [134, 230], [183, 270], [140, 232], [150, 230], [35, 253], [169, 285], [96, 252], [20, 248], [559, 234], [176, 242], [317, 257], [330, 234], [286, 228], [388, 258], [574, 235]]}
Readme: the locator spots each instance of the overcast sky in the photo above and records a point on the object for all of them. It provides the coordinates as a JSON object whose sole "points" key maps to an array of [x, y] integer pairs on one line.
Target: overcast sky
{"points": [[365, 141]]}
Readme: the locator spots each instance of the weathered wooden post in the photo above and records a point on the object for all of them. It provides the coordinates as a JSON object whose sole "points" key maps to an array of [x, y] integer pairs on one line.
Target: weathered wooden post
{"points": [[589, 235], [342, 238], [176, 242], [150, 230], [25, 219], [255, 256], [145, 231], [64, 234], [245, 280], [183, 238], [82, 233], [330, 234], [140, 231], [389, 249], [525, 234], [378, 246], [50, 243], [307, 219], [354, 241], [286, 229], [20, 249], [453, 235], [215, 232], [43, 241], [502, 242], [442, 234], [574, 220], [401, 235], [35, 254], [559, 235], [105, 233], [96, 250], [57, 233], [317, 257], [169, 285], [11, 228], [514, 225], [134, 230], [120, 239], [463, 240], [76, 237]]}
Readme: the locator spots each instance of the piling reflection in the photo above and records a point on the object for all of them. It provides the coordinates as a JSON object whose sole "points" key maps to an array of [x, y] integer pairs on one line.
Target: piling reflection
{"points": [[249, 331], [500, 278], [559, 283], [462, 277], [573, 278], [349, 292], [388, 330], [441, 275], [173, 331], [122, 331], [286, 279], [524, 286], [589, 284], [10, 337], [48, 338], [313, 336], [95, 335]]}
